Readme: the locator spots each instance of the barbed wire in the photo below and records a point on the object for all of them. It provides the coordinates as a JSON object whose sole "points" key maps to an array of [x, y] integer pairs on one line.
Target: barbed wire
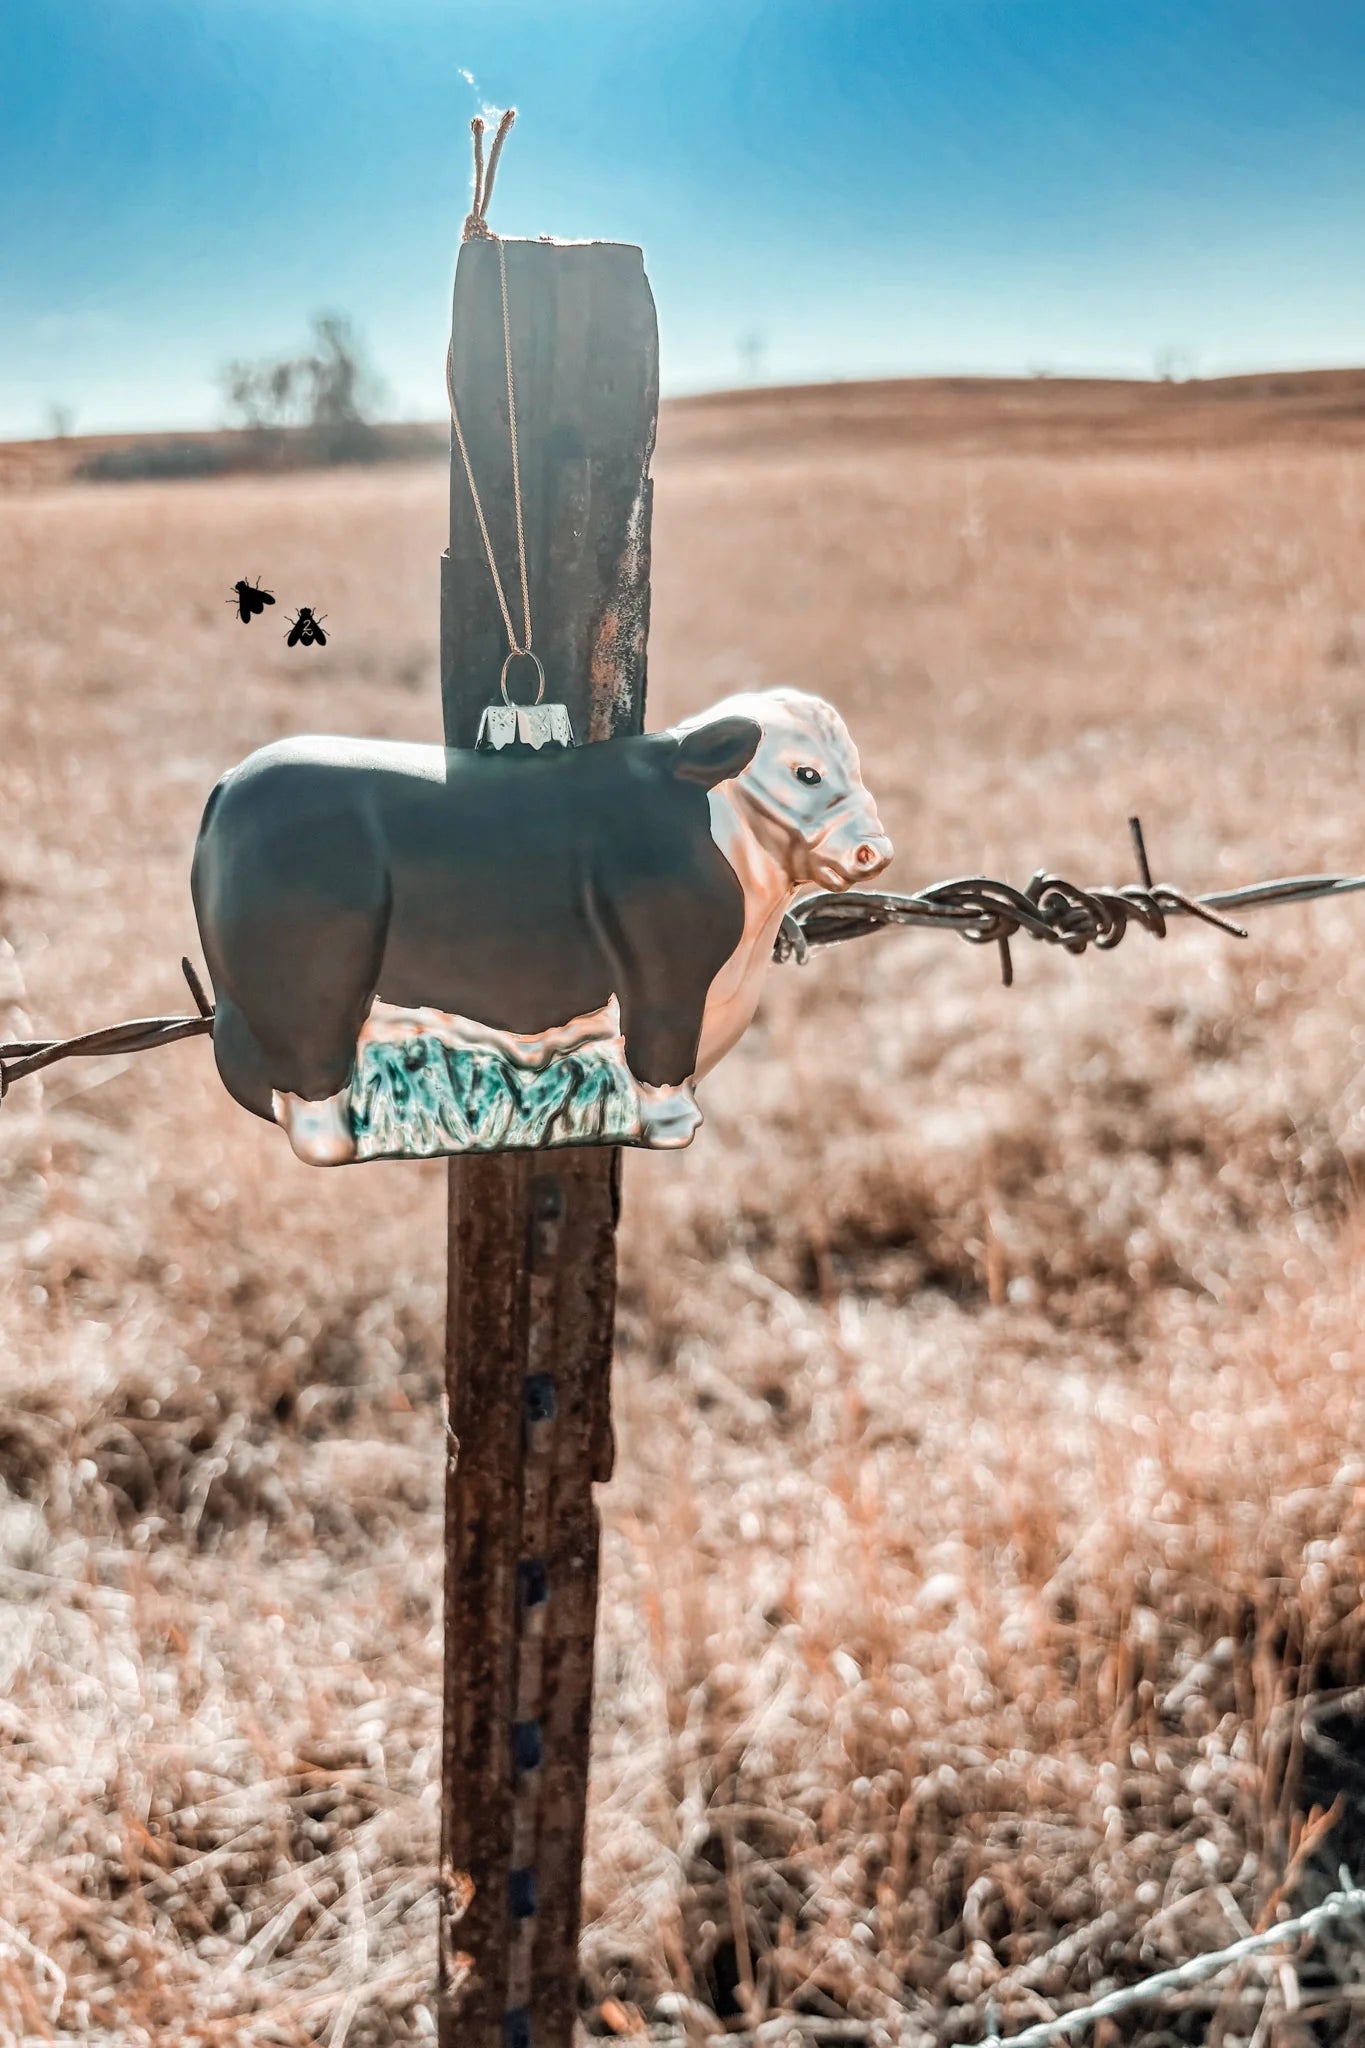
{"points": [[805, 2030], [23, 1056], [977, 908], [1348, 1903], [1051, 909]]}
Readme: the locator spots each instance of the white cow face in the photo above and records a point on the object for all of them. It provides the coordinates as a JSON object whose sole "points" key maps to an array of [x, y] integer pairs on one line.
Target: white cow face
{"points": [[803, 791]]}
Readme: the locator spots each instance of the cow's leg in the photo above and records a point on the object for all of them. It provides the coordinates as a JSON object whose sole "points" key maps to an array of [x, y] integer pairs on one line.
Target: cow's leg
{"points": [[328, 1004], [292, 1001], [241, 1059], [661, 1053], [669, 1117], [306, 987], [661, 1040], [320, 1132]]}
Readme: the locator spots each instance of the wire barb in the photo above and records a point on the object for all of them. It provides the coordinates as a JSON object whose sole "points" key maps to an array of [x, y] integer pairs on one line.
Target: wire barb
{"points": [[1140, 850], [1057, 912], [201, 1001]]}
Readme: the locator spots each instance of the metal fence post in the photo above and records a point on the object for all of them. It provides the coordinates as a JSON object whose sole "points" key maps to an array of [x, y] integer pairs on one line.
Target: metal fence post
{"points": [[532, 1263]]}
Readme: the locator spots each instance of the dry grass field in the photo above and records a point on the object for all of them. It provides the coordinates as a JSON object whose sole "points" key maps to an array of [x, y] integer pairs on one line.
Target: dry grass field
{"points": [[982, 1598]]}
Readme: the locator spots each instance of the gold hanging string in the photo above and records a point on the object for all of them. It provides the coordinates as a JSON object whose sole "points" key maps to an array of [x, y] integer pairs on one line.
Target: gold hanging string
{"points": [[476, 229]]}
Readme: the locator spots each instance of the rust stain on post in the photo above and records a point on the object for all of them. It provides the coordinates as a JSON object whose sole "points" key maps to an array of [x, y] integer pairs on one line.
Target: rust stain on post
{"points": [[532, 1251]]}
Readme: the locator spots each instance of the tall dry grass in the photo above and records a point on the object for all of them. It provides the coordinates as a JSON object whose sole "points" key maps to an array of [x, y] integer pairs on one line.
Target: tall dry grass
{"points": [[982, 1590]]}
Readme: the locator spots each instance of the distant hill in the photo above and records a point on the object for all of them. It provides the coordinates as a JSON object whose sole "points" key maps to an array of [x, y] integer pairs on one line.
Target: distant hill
{"points": [[1325, 407], [1030, 413], [139, 458]]}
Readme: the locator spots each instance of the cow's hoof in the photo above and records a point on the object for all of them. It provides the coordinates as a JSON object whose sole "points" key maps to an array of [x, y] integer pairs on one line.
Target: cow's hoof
{"points": [[668, 1117], [320, 1132]]}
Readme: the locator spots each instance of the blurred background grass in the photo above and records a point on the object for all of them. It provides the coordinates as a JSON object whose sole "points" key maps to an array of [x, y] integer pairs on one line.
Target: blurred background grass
{"points": [[981, 1608]]}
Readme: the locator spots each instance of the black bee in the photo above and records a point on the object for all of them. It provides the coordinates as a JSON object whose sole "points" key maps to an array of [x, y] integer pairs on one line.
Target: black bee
{"points": [[250, 600], [305, 630]]}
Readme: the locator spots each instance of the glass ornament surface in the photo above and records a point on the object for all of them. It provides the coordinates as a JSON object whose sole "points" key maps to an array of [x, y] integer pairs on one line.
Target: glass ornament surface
{"points": [[424, 950]]}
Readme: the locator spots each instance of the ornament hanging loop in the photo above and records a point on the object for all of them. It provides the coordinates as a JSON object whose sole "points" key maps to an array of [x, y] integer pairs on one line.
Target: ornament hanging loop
{"points": [[521, 654], [533, 725]]}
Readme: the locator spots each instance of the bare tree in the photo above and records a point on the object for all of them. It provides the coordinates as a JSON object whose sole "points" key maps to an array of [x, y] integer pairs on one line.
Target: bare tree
{"points": [[753, 356], [328, 390], [1173, 364]]}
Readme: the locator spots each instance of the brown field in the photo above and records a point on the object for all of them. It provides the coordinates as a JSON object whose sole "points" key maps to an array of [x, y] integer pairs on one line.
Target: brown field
{"points": [[982, 1603]]}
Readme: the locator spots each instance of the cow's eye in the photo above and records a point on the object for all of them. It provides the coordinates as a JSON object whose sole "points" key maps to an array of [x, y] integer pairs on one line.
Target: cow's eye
{"points": [[808, 775]]}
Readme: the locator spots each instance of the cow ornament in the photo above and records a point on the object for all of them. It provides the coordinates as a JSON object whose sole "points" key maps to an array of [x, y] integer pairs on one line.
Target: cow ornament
{"points": [[418, 950]]}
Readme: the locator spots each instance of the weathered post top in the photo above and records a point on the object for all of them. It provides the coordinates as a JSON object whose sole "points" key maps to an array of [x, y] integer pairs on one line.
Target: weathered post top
{"points": [[586, 353]]}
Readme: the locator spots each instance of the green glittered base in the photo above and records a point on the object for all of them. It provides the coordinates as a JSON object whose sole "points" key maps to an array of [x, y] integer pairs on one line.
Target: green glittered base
{"points": [[420, 1097]]}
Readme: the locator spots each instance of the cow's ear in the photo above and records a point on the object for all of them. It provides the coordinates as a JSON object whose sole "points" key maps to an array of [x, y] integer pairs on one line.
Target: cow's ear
{"points": [[713, 753]]}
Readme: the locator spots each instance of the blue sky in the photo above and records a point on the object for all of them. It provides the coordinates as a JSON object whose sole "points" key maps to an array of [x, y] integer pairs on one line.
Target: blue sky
{"points": [[873, 187]]}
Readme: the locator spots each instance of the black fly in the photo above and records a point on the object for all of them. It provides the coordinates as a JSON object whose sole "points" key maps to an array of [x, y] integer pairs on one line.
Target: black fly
{"points": [[306, 630], [250, 600]]}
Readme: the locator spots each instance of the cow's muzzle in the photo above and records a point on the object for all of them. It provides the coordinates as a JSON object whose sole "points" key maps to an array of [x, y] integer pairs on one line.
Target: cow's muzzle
{"points": [[847, 870], [872, 856]]}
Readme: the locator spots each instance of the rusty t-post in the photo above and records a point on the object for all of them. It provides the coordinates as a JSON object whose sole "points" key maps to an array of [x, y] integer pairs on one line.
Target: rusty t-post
{"points": [[532, 1259]]}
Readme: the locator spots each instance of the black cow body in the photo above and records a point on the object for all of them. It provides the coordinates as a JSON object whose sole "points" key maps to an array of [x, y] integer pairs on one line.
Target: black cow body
{"points": [[519, 892]]}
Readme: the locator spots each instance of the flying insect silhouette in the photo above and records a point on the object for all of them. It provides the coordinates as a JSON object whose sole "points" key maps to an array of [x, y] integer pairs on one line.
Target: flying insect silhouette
{"points": [[250, 600], [306, 629]]}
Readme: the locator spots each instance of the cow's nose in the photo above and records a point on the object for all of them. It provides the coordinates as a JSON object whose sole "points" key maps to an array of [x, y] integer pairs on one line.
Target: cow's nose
{"points": [[872, 856]]}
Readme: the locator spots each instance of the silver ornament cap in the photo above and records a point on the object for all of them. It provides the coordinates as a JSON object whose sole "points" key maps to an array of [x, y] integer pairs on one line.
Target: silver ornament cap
{"points": [[534, 725]]}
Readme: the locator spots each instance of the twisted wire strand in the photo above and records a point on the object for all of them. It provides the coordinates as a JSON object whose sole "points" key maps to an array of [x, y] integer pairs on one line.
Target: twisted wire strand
{"points": [[23, 1056], [978, 908], [1347, 1903], [1051, 909]]}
